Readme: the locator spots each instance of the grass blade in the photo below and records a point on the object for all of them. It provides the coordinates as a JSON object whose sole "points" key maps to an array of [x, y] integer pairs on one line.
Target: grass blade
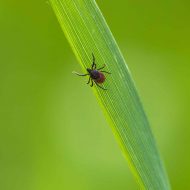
{"points": [[87, 33]]}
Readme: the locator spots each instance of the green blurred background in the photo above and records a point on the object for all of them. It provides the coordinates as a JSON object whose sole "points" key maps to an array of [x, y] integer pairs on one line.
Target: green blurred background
{"points": [[53, 135]]}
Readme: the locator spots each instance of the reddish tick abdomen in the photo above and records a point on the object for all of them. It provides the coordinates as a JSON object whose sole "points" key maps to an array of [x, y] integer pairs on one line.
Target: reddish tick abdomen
{"points": [[101, 78]]}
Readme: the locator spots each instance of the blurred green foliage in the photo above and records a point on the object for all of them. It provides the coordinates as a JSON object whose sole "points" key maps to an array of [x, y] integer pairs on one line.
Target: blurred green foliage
{"points": [[52, 132]]}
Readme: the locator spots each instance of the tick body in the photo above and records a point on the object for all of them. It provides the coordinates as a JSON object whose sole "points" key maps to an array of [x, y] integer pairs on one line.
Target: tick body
{"points": [[95, 75]]}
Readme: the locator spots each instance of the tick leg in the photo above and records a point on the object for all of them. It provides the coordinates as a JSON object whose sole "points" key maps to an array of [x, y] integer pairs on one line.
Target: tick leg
{"points": [[92, 83], [93, 62], [88, 81], [80, 74], [105, 72], [101, 67], [100, 86]]}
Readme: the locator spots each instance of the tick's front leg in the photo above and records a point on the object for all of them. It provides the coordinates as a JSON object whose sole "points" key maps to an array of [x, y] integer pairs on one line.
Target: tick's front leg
{"points": [[80, 74], [93, 62]]}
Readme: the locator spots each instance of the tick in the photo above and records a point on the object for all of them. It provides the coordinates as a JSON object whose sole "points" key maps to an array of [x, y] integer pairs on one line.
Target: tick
{"points": [[96, 75]]}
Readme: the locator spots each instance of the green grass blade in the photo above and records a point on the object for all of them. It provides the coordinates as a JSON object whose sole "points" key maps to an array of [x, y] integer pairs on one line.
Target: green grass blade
{"points": [[87, 33]]}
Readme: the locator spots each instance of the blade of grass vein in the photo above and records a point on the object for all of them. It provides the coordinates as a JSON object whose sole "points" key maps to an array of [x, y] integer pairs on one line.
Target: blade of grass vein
{"points": [[117, 132], [109, 100], [108, 46], [98, 25], [103, 59], [116, 112]]}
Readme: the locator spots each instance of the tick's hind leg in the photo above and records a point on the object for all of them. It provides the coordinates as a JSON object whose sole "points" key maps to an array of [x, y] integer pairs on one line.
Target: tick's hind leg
{"points": [[100, 86]]}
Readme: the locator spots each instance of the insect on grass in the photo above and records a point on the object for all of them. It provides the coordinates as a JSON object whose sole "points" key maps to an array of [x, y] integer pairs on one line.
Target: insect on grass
{"points": [[96, 75]]}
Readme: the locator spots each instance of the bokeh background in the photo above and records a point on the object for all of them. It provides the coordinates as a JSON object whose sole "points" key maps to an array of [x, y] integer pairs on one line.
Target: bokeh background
{"points": [[53, 135]]}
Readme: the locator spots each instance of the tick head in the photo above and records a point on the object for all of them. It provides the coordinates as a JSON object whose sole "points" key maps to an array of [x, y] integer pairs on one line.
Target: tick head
{"points": [[89, 70]]}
